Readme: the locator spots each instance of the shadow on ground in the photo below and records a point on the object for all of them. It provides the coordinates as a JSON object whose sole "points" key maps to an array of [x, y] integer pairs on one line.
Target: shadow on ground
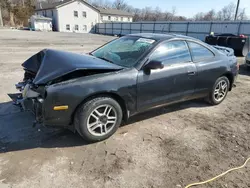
{"points": [[17, 133]]}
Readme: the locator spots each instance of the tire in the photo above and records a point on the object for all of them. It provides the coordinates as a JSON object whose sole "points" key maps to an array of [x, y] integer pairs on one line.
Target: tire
{"points": [[92, 123], [214, 98]]}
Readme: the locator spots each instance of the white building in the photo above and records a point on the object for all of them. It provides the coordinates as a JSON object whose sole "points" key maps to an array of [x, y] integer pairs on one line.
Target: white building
{"points": [[78, 15], [40, 23], [114, 15]]}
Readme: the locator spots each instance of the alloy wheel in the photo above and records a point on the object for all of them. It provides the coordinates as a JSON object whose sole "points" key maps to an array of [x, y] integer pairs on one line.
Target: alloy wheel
{"points": [[220, 90], [102, 120]]}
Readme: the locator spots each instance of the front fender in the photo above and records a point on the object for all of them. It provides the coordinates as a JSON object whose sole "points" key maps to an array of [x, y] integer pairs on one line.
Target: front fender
{"points": [[74, 92]]}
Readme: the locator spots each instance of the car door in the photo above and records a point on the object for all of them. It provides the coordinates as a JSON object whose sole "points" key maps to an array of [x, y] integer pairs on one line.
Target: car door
{"points": [[208, 67], [175, 82]]}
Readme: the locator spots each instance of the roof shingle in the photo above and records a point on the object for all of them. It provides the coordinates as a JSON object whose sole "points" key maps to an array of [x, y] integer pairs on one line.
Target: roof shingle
{"points": [[114, 12], [45, 5]]}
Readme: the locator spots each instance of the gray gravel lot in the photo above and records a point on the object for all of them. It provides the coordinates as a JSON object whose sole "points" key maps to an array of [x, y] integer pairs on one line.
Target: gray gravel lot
{"points": [[164, 148]]}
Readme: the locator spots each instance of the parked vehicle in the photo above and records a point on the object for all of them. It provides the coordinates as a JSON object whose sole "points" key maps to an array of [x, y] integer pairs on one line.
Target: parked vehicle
{"points": [[248, 59], [240, 44], [93, 93]]}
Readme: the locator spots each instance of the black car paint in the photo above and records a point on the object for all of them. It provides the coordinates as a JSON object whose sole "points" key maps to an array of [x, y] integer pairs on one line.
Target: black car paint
{"points": [[135, 89], [51, 64], [120, 84]]}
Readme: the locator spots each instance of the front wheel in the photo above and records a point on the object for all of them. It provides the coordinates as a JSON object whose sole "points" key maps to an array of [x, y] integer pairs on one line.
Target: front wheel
{"points": [[98, 119], [219, 91]]}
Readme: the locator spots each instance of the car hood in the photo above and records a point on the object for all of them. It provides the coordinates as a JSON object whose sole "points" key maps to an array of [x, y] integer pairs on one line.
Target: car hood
{"points": [[49, 64]]}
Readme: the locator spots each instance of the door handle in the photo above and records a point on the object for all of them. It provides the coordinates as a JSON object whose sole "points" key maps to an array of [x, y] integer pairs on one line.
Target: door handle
{"points": [[191, 73]]}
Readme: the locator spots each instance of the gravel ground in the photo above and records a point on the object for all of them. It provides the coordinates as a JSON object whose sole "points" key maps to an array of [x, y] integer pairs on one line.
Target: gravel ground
{"points": [[168, 147]]}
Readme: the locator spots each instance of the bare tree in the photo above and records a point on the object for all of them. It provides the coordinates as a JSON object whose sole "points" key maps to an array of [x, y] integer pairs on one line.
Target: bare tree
{"points": [[227, 12], [101, 3], [173, 11], [199, 16], [210, 15], [120, 5], [242, 15], [137, 14], [158, 15]]}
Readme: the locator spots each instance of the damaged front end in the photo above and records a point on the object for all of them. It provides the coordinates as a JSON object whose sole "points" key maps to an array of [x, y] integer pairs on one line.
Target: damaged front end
{"points": [[30, 98], [47, 68]]}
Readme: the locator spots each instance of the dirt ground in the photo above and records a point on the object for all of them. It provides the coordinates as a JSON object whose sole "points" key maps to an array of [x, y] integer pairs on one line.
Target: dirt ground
{"points": [[165, 148]]}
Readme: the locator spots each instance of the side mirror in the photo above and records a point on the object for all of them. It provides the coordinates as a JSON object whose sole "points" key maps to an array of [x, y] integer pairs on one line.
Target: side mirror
{"points": [[154, 65]]}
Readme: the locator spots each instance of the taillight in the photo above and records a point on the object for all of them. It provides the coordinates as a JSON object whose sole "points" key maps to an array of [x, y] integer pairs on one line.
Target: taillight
{"points": [[238, 66], [243, 36]]}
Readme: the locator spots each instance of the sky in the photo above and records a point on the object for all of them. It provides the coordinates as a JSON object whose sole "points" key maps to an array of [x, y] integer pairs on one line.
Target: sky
{"points": [[188, 8]]}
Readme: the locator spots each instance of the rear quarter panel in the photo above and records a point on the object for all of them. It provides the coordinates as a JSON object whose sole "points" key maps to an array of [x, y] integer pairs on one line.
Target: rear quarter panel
{"points": [[210, 70]]}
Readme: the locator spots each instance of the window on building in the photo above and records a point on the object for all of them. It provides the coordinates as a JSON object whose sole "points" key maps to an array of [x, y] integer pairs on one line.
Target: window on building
{"points": [[76, 27], [84, 27], [68, 27], [76, 14], [109, 17], [199, 52], [172, 52], [84, 14], [101, 17], [129, 19], [116, 18], [121, 18]]}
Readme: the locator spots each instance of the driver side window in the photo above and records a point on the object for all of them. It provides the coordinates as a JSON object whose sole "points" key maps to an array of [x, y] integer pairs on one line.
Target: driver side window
{"points": [[172, 52]]}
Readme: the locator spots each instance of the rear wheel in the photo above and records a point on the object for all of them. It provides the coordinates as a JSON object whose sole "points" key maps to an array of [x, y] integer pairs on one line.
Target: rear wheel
{"points": [[98, 119], [219, 91]]}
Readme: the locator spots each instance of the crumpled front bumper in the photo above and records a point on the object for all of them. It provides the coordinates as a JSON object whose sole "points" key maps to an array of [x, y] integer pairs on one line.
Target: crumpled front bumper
{"points": [[28, 100]]}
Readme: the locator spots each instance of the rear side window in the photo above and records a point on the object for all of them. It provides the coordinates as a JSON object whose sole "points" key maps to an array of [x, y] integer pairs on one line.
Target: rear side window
{"points": [[199, 52], [172, 52]]}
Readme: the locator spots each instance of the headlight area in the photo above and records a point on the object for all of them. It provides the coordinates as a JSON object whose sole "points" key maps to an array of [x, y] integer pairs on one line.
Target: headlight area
{"points": [[32, 99]]}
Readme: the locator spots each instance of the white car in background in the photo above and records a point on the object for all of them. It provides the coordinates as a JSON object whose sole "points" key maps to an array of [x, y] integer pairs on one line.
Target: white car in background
{"points": [[248, 59]]}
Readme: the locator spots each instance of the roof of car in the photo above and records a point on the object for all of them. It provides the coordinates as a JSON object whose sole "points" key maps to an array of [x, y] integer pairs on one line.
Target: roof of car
{"points": [[160, 36]]}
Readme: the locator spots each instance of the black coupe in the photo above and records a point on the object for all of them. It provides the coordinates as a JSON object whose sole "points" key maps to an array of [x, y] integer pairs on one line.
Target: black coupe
{"points": [[93, 93]]}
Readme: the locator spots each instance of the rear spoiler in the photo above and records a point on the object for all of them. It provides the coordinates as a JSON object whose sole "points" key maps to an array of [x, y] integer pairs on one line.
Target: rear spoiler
{"points": [[227, 51]]}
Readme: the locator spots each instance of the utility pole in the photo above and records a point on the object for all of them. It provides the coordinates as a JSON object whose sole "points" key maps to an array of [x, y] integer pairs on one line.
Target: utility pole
{"points": [[237, 9], [1, 19]]}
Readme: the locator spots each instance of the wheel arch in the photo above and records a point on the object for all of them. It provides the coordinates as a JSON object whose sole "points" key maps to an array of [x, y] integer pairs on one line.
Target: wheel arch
{"points": [[230, 77], [114, 96]]}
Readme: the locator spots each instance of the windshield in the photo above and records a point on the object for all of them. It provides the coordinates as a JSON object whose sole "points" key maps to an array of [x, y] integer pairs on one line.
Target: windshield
{"points": [[125, 51]]}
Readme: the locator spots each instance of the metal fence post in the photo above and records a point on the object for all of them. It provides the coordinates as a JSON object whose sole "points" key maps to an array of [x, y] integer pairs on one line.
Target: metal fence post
{"points": [[210, 29], [130, 24], [141, 28], [154, 28], [187, 29], [239, 28], [105, 29], [169, 27], [121, 28], [112, 28]]}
